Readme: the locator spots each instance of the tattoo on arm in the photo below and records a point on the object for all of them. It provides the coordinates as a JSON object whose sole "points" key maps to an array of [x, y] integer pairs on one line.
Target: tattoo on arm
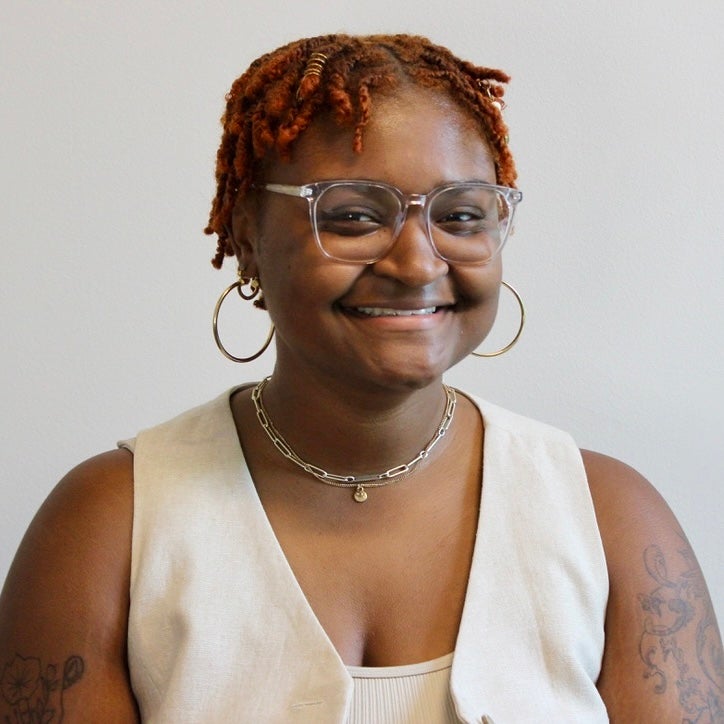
{"points": [[679, 607], [34, 693]]}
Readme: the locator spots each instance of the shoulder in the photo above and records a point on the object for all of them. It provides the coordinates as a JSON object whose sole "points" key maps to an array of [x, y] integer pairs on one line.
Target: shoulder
{"points": [[89, 512], [628, 507], [64, 606], [663, 655], [86, 520]]}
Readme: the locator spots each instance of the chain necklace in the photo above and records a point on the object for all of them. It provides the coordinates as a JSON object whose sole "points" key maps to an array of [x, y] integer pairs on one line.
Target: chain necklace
{"points": [[358, 482]]}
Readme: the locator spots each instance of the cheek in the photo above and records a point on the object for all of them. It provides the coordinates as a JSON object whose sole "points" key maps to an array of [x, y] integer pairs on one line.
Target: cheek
{"points": [[479, 285], [276, 256], [297, 279], [479, 289]]}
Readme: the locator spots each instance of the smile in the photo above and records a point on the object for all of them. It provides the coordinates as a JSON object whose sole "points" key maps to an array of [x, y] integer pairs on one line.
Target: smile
{"points": [[386, 312]]}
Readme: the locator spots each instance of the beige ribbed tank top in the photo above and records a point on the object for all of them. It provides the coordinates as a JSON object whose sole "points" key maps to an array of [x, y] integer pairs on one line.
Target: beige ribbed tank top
{"points": [[412, 694]]}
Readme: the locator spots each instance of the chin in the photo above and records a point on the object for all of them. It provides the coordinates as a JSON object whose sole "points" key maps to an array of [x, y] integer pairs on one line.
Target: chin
{"points": [[407, 377]]}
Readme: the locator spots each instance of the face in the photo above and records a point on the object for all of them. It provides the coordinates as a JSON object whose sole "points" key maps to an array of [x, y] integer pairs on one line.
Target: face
{"points": [[403, 320]]}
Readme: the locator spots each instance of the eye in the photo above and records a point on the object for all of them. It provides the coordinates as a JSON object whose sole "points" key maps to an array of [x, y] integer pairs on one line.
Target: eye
{"points": [[354, 220], [462, 220]]}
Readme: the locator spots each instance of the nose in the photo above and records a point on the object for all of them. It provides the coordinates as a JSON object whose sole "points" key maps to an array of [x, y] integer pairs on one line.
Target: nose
{"points": [[412, 259]]}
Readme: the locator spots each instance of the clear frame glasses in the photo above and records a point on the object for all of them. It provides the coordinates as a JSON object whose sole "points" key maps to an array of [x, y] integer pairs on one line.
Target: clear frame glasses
{"points": [[467, 222]]}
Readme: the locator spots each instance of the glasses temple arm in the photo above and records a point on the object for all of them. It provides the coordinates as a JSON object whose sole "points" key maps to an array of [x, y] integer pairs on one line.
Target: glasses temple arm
{"points": [[287, 190]]}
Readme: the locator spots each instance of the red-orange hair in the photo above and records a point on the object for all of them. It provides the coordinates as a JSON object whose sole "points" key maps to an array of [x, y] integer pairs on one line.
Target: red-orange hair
{"points": [[274, 101]]}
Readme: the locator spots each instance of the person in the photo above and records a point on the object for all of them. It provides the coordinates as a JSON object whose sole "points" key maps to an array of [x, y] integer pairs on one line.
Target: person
{"points": [[350, 539]]}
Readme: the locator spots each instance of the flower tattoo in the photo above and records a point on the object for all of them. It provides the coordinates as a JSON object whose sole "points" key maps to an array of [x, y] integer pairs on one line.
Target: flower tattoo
{"points": [[36, 695]]}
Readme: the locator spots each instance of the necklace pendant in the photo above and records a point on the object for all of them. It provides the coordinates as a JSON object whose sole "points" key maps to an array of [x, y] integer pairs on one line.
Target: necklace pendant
{"points": [[360, 494]]}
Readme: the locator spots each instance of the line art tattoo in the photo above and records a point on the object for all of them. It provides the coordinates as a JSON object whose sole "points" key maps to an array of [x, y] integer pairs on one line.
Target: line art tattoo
{"points": [[34, 693], [679, 607]]}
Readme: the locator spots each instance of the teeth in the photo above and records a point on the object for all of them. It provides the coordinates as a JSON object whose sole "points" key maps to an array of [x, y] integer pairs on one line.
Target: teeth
{"points": [[386, 312]]}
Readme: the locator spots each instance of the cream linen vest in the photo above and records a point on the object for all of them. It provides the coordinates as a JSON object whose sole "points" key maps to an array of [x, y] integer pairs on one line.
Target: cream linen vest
{"points": [[220, 631]]}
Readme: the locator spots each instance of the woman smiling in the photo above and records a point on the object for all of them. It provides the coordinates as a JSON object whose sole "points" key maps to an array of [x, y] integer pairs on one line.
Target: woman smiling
{"points": [[351, 539]]}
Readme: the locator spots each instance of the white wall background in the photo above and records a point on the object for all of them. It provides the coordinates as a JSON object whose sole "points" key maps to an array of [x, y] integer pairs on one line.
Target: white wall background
{"points": [[108, 130]]}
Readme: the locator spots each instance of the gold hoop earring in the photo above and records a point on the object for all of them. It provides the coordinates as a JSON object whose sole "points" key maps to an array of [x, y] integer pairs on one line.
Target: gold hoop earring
{"points": [[254, 289], [510, 344]]}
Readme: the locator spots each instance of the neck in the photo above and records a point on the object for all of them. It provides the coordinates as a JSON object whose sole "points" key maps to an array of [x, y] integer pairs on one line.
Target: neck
{"points": [[350, 430]]}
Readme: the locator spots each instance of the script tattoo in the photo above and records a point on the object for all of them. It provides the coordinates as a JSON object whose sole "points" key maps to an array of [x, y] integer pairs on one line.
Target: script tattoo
{"points": [[680, 608], [34, 694]]}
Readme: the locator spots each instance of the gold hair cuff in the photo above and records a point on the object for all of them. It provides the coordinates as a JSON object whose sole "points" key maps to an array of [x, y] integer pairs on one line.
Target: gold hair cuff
{"points": [[315, 66]]}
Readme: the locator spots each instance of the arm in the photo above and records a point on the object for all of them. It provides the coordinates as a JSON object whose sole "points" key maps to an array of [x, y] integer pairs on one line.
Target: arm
{"points": [[663, 655], [64, 606]]}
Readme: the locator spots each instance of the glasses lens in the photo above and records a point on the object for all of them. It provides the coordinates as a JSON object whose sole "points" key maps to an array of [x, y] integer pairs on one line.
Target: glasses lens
{"points": [[356, 221], [469, 222]]}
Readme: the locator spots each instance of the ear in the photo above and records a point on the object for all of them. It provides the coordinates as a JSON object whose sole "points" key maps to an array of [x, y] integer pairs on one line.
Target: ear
{"points": [[244, 239]]}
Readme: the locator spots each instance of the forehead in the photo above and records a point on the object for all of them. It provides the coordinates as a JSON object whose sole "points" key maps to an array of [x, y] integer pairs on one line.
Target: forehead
{"points": [[415, 139]]}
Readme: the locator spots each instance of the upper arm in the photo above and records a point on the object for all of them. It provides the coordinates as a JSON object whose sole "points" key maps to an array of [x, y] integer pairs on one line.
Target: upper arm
{"points": [[64, 606], [663, 654]]}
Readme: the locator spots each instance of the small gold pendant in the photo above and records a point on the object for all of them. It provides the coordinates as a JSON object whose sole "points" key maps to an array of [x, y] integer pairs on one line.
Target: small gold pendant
{"points": [[360, 494]]}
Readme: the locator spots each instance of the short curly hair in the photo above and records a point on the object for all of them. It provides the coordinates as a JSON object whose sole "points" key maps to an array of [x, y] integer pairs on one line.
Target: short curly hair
{"points": [[271, 105]]}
